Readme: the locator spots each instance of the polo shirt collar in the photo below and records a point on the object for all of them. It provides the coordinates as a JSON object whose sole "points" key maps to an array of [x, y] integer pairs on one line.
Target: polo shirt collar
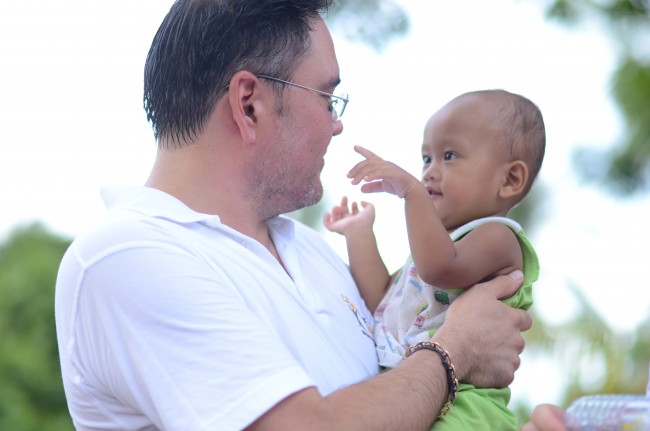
{"points": [[153, 202], [156, 203]]}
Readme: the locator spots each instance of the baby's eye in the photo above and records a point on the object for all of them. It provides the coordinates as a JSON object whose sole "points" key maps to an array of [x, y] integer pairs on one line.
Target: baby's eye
{"points": [[448, 155], [426, 159]]}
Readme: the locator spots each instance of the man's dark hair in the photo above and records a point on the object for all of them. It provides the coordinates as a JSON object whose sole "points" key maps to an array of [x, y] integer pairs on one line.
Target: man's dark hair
{"points": [[201, 44]]}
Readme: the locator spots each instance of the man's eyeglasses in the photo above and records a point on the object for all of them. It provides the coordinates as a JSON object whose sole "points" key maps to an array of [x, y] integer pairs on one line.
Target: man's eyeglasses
{"points": [[337, 103]]}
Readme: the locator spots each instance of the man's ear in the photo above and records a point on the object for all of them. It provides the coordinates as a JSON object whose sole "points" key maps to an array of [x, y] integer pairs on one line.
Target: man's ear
{"points": [[244, 99], [515, 179]]}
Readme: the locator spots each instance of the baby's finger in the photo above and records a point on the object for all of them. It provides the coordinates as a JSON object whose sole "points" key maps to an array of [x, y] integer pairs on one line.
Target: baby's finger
{"points": [[365, 171], [372, 187], [365, 152], [365, 204], [340, 212]]}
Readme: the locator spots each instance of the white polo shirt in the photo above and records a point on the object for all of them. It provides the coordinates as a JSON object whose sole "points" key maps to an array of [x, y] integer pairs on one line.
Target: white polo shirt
{"points": [[168, 319]]}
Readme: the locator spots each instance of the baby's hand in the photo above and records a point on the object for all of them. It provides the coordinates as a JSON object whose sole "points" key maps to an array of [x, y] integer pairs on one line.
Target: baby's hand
{"points": [[380, 175], [343, 219]]}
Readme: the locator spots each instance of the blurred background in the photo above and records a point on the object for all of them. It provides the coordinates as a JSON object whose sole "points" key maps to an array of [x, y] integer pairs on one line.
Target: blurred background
{"points": [[71, 119]]}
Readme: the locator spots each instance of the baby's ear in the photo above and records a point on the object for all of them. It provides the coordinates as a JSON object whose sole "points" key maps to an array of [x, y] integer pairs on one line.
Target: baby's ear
{"points": [[515, 179]]}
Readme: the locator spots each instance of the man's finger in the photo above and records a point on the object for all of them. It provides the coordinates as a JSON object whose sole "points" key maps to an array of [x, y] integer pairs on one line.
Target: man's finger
{"points": [[504, 286]]}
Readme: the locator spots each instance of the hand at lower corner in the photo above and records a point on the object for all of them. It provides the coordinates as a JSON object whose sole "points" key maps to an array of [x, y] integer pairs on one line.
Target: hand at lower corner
{"points": [[546, 417]]}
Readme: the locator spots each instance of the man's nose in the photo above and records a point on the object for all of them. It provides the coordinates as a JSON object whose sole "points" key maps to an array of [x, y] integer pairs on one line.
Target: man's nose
{"points": [[338, 127]]}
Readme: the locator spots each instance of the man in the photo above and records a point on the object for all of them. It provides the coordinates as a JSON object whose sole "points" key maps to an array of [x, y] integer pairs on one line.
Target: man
{"points": [[195, 307]]}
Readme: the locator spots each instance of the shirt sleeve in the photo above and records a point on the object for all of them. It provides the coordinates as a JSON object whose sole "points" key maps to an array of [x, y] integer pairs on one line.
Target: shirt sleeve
{"points": [[170, 336]]}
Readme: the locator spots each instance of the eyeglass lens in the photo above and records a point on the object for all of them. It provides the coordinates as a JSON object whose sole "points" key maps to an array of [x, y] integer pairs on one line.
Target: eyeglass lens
{"points": [[338, 106]]}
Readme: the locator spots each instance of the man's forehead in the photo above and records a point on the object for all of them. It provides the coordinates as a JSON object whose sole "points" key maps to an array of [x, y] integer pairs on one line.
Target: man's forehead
{"points": [[321, 59]]}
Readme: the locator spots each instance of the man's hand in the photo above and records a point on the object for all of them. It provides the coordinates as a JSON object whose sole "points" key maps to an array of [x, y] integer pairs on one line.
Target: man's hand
{"points": [[483, 335], [546, 417]]}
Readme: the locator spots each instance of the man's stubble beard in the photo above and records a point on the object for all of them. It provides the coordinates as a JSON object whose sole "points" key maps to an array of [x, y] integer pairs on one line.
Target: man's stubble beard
{"points": [[279, 191], [275, 186]]}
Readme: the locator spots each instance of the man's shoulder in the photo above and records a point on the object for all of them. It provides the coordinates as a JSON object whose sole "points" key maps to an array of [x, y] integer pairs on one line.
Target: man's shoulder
{"points": [[122, 230]]}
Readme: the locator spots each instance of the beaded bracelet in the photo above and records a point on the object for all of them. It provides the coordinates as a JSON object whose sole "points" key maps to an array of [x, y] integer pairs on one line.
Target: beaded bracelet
{"points": [[452, 381]]}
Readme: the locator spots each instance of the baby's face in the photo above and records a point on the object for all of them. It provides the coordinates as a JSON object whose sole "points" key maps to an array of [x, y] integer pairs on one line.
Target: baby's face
{"points": [[463, 161]]}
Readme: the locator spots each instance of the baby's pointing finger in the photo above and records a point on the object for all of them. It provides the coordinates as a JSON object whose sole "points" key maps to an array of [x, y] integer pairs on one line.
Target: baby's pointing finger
{"points": [[365, 152]]}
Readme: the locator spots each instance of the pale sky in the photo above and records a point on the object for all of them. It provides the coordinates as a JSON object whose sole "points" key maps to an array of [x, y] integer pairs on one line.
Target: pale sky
{"points": [[72, 120]]}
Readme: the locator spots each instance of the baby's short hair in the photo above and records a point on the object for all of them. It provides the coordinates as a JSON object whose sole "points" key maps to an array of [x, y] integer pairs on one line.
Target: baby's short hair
{"points": [[523, 128]]}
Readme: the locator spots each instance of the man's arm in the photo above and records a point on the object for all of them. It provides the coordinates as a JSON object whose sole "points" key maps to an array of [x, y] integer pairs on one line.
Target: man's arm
{"points": [[375, 404], [483, 338]]}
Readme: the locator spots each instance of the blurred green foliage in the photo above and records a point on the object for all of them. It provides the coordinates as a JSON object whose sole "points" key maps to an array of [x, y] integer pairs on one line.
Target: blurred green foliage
{"points": [[373, 22], [594, 359], [625, 167], [31, 393]]}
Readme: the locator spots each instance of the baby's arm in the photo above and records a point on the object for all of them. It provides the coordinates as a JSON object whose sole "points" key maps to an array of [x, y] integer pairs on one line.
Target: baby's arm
{"points": [[485, 252], [367, 267]]}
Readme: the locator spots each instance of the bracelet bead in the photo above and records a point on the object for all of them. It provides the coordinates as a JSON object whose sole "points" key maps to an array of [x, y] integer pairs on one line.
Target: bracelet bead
{"points": [[452, 380]]}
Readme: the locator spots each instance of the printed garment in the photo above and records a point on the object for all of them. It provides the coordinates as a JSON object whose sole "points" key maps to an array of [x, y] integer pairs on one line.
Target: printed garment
{"points": [[412, 310]]}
